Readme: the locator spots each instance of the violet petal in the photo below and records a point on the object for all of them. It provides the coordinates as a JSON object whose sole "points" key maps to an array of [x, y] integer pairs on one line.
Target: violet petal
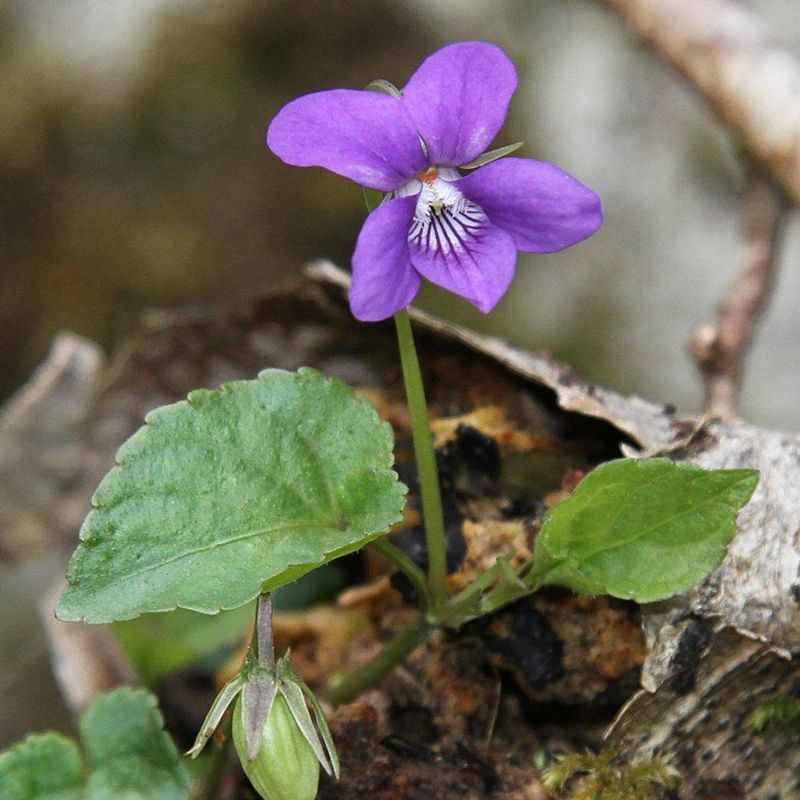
{"points": [[474, 262], [541, 206], [365, 136], [458, 98], [383, 279]]}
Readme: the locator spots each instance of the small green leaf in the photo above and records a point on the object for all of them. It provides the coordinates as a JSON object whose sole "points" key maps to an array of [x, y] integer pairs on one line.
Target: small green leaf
{"points": [[493, 155], [44, 766], [129, 753], [641, 529], [231, 493]]}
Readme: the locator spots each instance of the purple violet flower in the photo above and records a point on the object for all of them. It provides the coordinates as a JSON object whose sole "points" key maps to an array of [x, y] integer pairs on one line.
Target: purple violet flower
{"points": [[460, 232]]}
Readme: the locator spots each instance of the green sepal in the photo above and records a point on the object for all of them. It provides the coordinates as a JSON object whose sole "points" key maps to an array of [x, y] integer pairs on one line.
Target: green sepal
{"points": [[222, 701], [296, 701], [258, 697], [492, 155], [384, 87], [258, 692], [322, 726], [374, 198]]}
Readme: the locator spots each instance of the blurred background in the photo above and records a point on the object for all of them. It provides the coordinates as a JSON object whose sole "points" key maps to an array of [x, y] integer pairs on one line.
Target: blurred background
{"points": [[133, 175]]}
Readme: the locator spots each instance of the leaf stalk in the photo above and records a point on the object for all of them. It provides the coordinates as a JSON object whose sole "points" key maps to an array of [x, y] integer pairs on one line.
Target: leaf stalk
{"points": [[377, 668], [407, 567]]}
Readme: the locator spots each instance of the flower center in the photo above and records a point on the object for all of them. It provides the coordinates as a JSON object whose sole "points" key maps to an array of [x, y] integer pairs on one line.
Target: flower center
{"points": [[428, 176], [445, 222]]}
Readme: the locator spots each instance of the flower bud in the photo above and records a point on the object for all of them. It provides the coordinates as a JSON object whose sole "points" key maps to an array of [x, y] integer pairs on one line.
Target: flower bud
{"points": [[286, 767]]}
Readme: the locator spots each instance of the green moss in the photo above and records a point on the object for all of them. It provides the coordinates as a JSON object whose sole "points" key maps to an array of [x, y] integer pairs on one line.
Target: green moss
{"points": [[604, 777], [780, 711]]}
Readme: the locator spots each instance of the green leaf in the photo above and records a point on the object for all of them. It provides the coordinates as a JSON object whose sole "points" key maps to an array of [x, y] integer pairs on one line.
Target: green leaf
{"points": [[641, 529], [44, 766], [158, 644], [493, 155], [129, 753], [231, 493]]}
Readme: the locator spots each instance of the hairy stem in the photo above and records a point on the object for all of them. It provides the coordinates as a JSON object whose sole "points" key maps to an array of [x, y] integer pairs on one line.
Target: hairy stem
{"points": [[426, 462], [375, 670]]}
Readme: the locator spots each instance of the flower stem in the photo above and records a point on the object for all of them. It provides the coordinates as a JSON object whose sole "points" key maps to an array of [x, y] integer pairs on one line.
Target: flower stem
{"points": [[263, 632], [376, 669], [426, 463]]}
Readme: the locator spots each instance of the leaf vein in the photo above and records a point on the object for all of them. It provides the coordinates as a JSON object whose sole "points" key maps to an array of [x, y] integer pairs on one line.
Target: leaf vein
{"points": [[710, 501], [222, 543]]}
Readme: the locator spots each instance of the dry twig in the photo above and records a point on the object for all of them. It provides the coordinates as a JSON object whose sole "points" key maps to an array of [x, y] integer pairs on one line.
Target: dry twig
{"points": [[728, 56], [720, 347]]}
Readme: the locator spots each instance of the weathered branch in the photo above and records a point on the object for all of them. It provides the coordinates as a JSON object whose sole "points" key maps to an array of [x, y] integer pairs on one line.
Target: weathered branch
{"points": [[726, 53], [720, 347]]}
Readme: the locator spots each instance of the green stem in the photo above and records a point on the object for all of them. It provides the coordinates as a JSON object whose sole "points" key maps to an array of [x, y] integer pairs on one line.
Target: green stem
{"points": [[426, 463], [375, 670], [467, 603], [407, 567]]}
